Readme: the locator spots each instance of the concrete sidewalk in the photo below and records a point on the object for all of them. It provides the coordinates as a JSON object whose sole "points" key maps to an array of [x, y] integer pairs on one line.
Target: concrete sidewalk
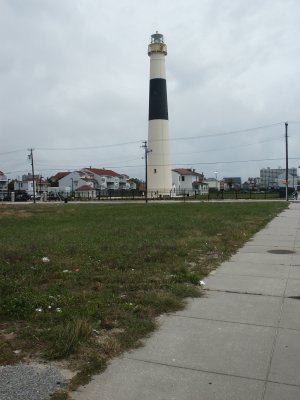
{"points": [[240, 341]]}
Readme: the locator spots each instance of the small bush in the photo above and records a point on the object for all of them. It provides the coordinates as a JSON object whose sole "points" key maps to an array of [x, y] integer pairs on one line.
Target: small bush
{"points": [[65, 340]]}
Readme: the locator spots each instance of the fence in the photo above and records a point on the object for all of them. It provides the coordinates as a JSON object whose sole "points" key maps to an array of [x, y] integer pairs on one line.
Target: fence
{"points": [[184, 195]]}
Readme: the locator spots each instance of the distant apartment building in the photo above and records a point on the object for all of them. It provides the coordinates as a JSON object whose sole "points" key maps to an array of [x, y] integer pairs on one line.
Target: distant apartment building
{"points": [[274, 178]]}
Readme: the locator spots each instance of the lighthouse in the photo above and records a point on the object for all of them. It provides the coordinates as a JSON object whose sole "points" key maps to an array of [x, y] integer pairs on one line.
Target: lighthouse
{"points": [[159, 160]]}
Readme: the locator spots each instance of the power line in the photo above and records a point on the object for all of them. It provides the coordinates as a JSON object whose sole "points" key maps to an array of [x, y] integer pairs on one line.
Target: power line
{"points": [[211, 135], [12, 151], [234, 132], [45, 163], [179, 138], [232, 162], [87, 147], [223, 133], [230, 147], [173, 164]]}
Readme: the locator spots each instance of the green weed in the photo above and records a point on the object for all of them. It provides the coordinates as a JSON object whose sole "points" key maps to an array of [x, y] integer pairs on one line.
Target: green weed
{"points": [[66, 339]]}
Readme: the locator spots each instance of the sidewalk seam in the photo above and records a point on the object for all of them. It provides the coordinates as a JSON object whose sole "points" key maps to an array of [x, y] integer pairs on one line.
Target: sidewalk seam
{"points": [[206, 371], [234, 322], [237, 292]]}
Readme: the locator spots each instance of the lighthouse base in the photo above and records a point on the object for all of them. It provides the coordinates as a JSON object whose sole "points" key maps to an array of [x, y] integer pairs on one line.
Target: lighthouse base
{"points": [[159, 162]]}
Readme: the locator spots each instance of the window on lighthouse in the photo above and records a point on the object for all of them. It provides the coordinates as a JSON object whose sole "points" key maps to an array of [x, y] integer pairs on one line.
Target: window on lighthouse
{"points": [[155, 170]]}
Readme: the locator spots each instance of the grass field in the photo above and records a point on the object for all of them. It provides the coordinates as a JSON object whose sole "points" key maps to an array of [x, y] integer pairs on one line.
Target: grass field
{"points": [[85, 282]]}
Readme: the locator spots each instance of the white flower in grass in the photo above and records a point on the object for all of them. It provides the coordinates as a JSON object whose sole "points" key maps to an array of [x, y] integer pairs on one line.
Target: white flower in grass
{"points": [[58, 309], [202, 283], [39, 309], [45, 259]]}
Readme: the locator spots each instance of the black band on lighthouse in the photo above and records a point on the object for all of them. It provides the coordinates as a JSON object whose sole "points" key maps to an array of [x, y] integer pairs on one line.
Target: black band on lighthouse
{"points": [[158, 103]]}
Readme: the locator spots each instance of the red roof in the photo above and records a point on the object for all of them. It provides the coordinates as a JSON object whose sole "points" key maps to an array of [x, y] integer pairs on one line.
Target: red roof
{"points": [[59, 175], [195, 183], [186, 171], [89, 179], [103, 172], [84, 188]]}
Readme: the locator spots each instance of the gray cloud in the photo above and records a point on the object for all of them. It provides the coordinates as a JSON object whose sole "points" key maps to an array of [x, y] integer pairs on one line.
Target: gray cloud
{"points": [[74, 74]]}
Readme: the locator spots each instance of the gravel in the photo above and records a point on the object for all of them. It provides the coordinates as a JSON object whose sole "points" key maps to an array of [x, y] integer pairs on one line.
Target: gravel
{"points": [[30, 382]]}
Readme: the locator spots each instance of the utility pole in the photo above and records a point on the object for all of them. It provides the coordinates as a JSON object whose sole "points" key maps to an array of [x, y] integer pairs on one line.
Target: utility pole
{"points": [[145, 146], [286, 162], [30, 157]]}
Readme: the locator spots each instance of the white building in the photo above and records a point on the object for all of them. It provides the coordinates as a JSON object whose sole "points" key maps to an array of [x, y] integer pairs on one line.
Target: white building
{"points": [[99, 179], [3, 186], [76, 179], [3, 181], [213, 184], [188, 181], [86, 192], [26, 183]]}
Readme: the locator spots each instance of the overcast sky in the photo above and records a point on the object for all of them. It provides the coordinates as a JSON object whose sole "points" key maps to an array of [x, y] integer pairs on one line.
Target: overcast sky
{"points": [[74, 82]]}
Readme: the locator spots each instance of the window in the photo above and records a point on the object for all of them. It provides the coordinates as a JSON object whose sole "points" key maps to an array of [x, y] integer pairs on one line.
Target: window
{"points": [[155, 170], [182, 178]]}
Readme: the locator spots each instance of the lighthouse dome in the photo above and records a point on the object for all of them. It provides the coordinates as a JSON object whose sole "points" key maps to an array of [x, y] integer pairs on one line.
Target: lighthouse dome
{"points": [[157, 38]]}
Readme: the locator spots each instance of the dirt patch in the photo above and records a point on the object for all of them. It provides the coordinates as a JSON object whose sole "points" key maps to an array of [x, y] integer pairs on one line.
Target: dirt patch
{"points": [[14, 212]]}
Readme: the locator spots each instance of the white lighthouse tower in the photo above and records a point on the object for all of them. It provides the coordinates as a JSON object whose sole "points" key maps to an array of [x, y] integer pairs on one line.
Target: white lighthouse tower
{"points": [[159, 161]]}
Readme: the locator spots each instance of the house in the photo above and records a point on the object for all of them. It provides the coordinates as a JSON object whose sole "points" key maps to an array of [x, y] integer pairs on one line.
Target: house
{"points": [[3, 181], [233, 182], [108, 179], [53, 180], [77, 179], [187, 180], [27, 184], [86, 191], [3, 186], [134, 183], [213, 184], [99, 179]]}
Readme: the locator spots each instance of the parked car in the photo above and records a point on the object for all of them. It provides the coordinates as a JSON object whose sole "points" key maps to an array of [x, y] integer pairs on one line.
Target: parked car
{"points": [[21, 195], [5, 196], [37, 197]]}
